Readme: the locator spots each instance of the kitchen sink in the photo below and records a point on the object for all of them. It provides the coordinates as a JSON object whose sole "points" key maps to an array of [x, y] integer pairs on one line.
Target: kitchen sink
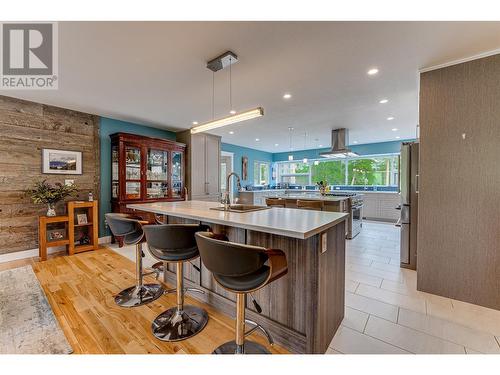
{"points": [[241, 208]]}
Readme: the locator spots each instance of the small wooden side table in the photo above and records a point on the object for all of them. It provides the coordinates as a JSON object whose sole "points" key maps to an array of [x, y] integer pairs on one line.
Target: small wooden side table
{"points": [[89, 226], [43, 242], [92, 218]]}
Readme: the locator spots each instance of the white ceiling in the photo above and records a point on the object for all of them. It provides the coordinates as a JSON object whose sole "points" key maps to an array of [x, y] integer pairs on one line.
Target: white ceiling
{"points": [[154, 73]]}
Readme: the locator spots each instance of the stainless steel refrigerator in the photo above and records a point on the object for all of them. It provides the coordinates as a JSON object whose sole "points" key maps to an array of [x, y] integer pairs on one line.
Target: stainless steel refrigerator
{"points": [[409, 203]]}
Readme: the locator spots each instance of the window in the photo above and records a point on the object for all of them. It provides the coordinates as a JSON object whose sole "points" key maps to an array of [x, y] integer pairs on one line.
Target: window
{"points": [[377, 170], [261, 172], [331, 172], [295, 173], [374, 171]]}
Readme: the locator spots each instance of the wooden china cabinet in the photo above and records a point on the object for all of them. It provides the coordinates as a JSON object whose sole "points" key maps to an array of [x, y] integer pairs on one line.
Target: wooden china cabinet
{"points": [[144, 170]]}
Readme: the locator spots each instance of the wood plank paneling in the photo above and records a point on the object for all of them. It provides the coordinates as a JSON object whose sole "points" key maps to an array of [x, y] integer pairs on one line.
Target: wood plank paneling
{"points": [[459, 200], [25, 129]]}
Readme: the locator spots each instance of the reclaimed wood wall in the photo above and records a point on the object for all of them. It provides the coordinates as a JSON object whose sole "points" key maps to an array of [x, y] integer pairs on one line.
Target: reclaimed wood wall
{"points": [[25, 129]]}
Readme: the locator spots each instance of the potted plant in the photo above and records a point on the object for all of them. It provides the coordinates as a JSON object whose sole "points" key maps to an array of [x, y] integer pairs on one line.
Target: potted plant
{"points": [[43, 192]]}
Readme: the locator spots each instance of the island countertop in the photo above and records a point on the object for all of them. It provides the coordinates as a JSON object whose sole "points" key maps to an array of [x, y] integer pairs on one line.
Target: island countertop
{"points": [[308, 196], [286, 222]]}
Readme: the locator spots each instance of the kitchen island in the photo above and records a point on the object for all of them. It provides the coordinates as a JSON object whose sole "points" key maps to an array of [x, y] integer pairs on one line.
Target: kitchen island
{"points": [[303, 309], [331, 203]]}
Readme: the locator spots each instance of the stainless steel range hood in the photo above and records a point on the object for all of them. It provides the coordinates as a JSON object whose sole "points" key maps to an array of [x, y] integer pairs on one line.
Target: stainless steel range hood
{"points": [[340, 141]]}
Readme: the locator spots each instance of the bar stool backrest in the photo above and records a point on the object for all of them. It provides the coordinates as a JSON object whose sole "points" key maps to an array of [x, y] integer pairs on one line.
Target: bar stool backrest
{"points": [[170, 237], [228, 258], [121, 225], [275, 202], [310, 205]]}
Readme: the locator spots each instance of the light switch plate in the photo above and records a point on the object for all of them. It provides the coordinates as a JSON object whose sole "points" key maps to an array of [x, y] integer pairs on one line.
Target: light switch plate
{"points": [[324, 242]]}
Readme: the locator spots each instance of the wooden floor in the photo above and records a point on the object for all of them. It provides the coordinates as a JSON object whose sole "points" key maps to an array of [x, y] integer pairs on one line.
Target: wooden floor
{"points": [[80, 289]]}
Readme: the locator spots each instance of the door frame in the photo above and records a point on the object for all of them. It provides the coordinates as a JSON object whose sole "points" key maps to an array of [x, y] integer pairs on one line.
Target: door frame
{"points": [[231, 156]]}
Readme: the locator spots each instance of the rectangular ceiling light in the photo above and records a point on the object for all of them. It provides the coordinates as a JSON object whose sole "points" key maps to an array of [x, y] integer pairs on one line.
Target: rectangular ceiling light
{"points": [[238, 117]]}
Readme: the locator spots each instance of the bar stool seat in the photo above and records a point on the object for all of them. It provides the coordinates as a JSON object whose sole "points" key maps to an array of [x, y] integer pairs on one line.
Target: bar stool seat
{"points": [[241, 269], [179, 255], [247, 282], [175, 243]]}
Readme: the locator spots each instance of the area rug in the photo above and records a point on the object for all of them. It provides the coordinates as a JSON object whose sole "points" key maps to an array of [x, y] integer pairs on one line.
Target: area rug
{"points": [[27, 323]]}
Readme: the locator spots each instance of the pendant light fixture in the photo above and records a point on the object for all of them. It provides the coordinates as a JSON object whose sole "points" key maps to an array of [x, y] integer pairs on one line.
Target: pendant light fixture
{"points": [[223, 61], [305, 146], [290, 130]]}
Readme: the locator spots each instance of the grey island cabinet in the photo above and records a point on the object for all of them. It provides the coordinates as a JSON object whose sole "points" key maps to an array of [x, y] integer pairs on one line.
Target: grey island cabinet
{"points": [[303, 309]]}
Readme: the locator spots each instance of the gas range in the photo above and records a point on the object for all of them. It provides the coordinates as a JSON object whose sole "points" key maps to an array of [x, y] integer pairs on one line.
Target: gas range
{"points": [[355, 199], [355, 208], [342, 194]]}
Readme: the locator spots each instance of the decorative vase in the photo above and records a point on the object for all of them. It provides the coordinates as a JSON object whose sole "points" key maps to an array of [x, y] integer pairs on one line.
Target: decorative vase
{"points": [[51, 210]]}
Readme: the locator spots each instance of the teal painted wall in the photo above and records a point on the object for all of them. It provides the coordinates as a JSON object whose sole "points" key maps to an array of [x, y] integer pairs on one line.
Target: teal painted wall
{"points": [[109, 126], [253, 155], [368, 149]]}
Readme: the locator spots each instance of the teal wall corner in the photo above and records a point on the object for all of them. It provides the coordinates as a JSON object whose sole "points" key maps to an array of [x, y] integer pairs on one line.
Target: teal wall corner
{"points": [[253, 155], [109, 126]]}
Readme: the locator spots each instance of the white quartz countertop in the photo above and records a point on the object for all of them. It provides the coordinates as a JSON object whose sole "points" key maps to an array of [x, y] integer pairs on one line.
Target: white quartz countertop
{"points": [[287, 222]]}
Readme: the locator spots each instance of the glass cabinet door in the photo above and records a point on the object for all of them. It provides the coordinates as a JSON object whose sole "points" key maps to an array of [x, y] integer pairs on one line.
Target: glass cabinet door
{"points": [[114, 173], [132, 172], [157, 174], [177, 174]]}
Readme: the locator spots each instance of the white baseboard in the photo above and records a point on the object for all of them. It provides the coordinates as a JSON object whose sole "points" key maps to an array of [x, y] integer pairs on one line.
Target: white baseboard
{"points": [[34, 252], [104, 240]]}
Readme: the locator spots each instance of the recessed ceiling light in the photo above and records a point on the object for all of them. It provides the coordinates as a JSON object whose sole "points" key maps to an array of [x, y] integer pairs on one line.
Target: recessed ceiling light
{"points": [[354, 142], [287, 96], [231, 132], [232, 111], [390, 118], [257, 139], [397, 137], [276, 145], [383, 101], [195, 122], [394, 129], [372, 71]]}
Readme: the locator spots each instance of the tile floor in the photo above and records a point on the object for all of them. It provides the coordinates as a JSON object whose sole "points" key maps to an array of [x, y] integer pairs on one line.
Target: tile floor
{"points": [[385, 314]]}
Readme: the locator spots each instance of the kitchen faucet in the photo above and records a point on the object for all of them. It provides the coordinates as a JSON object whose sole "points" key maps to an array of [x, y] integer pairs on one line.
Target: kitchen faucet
{"points": [[226, 200]]}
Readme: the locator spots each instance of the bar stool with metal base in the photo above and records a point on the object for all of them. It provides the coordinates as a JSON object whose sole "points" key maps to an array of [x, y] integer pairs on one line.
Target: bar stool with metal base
{"points": [[241, 269], [130, 230], [175, 243]]}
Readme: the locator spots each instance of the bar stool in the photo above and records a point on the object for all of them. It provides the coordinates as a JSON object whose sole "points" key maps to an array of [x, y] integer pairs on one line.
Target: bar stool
{"points": [[241, 269], [130, 230], [310, 205], [275, 202], [175, 243]]}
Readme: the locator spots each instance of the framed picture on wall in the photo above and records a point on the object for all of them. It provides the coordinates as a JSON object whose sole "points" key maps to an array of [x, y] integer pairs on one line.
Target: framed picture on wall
{"points": [[61, 161]]}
